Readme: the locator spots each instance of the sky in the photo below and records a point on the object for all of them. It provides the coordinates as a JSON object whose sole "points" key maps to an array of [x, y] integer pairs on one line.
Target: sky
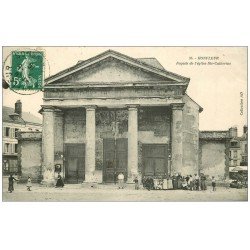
{"points": [[218, 89]]}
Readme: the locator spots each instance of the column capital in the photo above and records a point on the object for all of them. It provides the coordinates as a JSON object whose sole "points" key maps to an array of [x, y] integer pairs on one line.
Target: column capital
{"points": [[90, 107], [46, 108], [58, 111], [132, 106], [177, 106]]}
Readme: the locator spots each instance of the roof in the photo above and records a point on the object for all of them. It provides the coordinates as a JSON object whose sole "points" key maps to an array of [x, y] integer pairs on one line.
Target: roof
{"points": [[200, 108], [150, 64], [214, 135], [151, 61], [26, 117]]}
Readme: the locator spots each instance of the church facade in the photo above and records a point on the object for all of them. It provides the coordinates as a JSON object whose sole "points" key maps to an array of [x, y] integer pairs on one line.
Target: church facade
{"points": [[113, 113]]}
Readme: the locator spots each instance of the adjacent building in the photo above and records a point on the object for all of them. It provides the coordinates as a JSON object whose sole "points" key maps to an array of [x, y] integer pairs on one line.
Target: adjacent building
{"points": [[221, 151], [15, 120]]}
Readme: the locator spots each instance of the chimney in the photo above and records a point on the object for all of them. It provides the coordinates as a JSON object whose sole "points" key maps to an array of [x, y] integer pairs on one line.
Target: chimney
{"points": [[245, 129], [18, 108], [233, 132]]}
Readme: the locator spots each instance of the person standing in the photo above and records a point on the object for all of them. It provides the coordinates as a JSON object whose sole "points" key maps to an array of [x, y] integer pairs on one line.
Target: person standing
{"points": [[120, 181], [203, 182], [213, 183], [179, 181], [136, 183], [144, 180], [170, 183], [115, 177], [197, 182], [59, 182], [174, 181], [29, 185], [191, 183], [11, 183]]}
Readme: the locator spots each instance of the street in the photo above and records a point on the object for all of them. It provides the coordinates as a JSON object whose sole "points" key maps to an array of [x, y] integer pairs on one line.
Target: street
{"points": [[78, 192]]}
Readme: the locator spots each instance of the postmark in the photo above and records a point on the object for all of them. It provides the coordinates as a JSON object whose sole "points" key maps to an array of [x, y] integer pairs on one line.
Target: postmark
{"points": [[26, 70]]}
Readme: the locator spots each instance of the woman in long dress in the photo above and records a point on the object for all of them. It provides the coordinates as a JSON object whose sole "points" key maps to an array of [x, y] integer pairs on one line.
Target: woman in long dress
{"points": [[59, 182], [170, 183]]}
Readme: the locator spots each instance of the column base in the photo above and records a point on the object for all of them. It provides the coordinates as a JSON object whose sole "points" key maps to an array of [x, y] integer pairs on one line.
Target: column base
{"points": [[90, 181], [90, 178], [131, 177]]}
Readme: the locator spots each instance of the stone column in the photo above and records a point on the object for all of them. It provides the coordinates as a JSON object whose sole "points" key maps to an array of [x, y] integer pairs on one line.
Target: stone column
{"points": [[48, 146], [59, 139], [177, 138], [132, 143], [90, 144]]}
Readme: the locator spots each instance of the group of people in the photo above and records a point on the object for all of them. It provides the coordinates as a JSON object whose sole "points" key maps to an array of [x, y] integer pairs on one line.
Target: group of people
{"points": [[174, 182], [177, 181], [189, 182], [59, 182]]}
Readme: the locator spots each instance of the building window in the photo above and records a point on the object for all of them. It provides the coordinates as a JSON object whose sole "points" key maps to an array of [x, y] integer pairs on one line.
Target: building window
{"points": [[7, 131], [234, 143], [13, 166], [5, 166], [16, 130], [15, 148], [230, 154], [235, 162], [6, 148], [235, 153]]}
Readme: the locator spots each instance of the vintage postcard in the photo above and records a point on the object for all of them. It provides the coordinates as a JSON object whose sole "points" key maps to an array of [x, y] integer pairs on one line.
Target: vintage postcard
{"points": [[124, 124]]}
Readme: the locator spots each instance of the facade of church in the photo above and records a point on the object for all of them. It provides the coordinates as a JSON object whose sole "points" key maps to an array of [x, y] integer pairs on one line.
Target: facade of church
{"points": [[113, 113]]}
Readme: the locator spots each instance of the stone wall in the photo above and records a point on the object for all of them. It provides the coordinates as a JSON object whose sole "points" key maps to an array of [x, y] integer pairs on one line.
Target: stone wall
{"points": [[30, 155], [213, 158], [190, 128], [75, 125]]}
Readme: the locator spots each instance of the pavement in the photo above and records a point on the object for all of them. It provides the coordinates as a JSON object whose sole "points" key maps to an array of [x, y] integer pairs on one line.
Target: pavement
{"points": [[104, 192]]}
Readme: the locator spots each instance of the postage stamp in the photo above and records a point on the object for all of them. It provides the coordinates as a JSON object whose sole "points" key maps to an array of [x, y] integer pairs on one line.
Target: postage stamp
{"points": [[26, 70]]}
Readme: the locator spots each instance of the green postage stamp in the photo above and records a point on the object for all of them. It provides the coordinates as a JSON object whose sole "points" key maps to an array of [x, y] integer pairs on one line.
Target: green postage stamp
{"points": [[26, 70]]}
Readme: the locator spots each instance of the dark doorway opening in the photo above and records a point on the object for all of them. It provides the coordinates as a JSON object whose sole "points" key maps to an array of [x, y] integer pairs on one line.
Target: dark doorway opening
{"points": [[155, 160], [75, 163], [115, 158]]}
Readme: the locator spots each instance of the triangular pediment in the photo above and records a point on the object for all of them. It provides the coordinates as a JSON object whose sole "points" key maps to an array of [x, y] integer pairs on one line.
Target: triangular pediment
{"points": [[111, 70], [113, 67]]}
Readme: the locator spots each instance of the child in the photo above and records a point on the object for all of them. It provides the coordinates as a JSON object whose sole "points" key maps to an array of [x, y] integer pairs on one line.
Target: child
{"points": [[29, 184], [213, 183], [120, 181], [136, 183]]}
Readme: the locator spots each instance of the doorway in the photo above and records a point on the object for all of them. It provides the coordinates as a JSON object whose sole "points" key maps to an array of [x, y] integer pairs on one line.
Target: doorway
{"points": [[75, 163], [155, 160], [115, 158]]}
